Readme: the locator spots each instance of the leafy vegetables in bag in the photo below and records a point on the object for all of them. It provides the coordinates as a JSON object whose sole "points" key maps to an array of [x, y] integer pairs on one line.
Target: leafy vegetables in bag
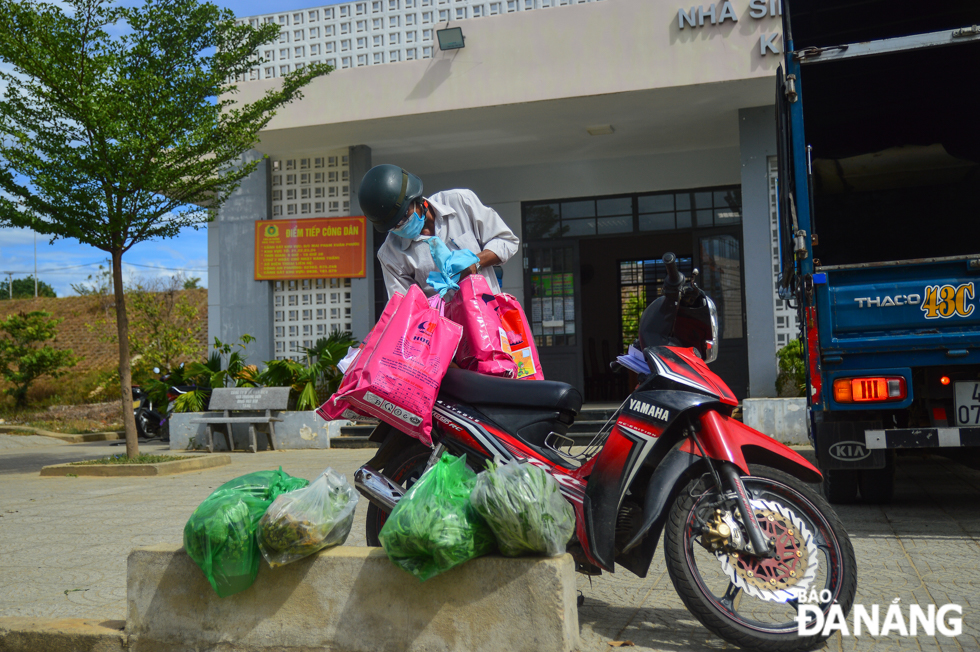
{"points": [[523, 505], [302, 522], [220, 534], [434, 527]]}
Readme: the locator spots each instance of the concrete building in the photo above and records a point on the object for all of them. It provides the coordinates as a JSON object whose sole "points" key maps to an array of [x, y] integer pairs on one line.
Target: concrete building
{"points": [[605, 133]]}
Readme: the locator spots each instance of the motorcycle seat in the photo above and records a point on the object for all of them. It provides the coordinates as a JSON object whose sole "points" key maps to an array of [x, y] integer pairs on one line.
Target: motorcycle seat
{"points": [[479, 389]]}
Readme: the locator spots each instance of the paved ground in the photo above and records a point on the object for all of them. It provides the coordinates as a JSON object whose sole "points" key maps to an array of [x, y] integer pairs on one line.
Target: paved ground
{"points": [[64, 542]]}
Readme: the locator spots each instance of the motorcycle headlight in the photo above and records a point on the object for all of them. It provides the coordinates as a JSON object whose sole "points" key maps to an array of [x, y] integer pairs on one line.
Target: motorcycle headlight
{"points": [[711, 346]]}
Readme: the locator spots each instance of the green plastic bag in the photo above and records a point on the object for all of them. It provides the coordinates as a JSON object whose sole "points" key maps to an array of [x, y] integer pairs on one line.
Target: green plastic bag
{"points": [[434, 527], [524, 506], [220, 534]]}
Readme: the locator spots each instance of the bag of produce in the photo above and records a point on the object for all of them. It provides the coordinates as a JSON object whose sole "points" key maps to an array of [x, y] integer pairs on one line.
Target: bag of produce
{"points": [[220, 534], [434, 527], [523, 505], [307, 520]]}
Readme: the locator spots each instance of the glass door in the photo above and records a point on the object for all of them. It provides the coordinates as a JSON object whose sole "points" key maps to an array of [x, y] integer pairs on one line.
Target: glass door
{"points": [[552, 306], [720, 264]]}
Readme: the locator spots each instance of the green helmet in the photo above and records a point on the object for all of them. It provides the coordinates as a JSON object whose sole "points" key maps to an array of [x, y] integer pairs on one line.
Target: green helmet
{"points": [[385, 194]]}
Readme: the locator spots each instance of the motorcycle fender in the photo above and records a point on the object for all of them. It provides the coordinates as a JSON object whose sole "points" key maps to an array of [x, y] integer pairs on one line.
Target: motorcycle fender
{"points": [[724, 438]]}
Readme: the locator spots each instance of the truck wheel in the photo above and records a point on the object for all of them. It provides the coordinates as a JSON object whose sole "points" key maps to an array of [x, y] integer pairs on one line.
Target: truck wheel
{"points": [[840, 487], [877, 485]]}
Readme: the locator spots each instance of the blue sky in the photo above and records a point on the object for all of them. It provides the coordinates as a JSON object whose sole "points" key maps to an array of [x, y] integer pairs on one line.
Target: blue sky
{"points": [[66, 262]]}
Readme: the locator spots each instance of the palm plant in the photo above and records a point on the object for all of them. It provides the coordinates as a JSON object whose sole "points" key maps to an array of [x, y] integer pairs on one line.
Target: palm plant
{"points": [[314, 381], [210, 375]]}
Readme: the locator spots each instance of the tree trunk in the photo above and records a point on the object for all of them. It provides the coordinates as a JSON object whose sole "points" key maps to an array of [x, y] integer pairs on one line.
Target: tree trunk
{"points": [[125, 372]]}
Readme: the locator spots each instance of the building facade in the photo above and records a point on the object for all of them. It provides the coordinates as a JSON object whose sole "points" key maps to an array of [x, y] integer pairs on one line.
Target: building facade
{"points": [[605, 133]]}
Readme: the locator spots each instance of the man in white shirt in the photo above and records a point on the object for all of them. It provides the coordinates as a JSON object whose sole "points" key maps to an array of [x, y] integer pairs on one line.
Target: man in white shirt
{"points": [[392, 199]]}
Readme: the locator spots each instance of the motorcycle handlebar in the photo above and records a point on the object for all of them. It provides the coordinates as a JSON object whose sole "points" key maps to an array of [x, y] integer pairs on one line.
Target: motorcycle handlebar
{"points": [[672, 284]]}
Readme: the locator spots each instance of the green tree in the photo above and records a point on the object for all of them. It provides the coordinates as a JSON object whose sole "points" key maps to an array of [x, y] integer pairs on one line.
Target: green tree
{"points": [[791, 379], [124, 124], [192, 283], [23, 355], [23, 288]]}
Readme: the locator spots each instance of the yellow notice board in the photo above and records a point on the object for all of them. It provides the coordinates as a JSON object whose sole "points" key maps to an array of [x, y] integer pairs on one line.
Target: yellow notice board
{"points": [[320, 247]]}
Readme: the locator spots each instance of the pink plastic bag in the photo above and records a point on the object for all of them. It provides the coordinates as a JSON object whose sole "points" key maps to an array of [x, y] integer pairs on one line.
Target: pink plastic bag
{"points": [[336, 407], [482, 348], [403, 367], [520, 341], [437, 303]]}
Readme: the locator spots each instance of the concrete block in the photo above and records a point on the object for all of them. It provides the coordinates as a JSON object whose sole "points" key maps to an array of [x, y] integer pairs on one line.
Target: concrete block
{"points": [[186, 465], [29, 634], [783, 419], [297, 430], [352, 599]]}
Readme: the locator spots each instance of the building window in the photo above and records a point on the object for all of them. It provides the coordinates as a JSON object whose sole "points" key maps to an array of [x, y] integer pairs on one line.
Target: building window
{"points": [[410, 54], [345, 28], [362, 43], [283, 20], [299, 52], [410, 37], [362, 26], [362, 59], [345, 11], [409, 20], [328, 30], [394, 55], [314, 49], [426, 17], [394, 21], [494, 8], [284, 70], [283, 53], [378, 41], [332, 62], [270, 72], [313, 16], [427, 53], [346, 62], [330, 47], [426, 34], [361, 8], [409, 4], [379, 57], [314, 32], [394, 39], [443, 15], [328, 14], [460, 13], [511, 5], [393, 5], [297, 35], [377, 6], [298, 19], [345, 45]]}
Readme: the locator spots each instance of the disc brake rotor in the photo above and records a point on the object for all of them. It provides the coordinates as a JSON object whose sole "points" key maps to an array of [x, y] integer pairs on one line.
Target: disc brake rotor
{"points": [[794, 567]]}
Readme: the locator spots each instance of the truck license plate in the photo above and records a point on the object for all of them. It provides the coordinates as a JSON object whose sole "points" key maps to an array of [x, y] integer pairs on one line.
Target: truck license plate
{"points": [[968, 404]]}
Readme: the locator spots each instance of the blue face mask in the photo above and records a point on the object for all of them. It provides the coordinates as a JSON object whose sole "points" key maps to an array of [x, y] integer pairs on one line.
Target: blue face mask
{"points": [[412, 227]]}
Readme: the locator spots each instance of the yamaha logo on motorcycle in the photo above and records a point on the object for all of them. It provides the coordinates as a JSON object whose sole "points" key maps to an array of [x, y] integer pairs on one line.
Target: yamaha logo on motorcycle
{"points": [[639, 407]]}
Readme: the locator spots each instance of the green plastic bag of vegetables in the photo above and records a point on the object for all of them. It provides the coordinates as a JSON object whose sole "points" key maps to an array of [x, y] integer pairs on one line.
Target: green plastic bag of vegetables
{"points": [[220, 534], [523, 505], [307, 520], [433, 527]]}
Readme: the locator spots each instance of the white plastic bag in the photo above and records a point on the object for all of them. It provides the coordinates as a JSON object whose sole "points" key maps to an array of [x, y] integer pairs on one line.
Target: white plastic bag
{"points": [[302, 522]]}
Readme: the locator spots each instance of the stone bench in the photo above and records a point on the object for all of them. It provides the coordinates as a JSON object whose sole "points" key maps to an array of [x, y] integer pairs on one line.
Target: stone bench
{"points": [[244, 399], [352, 599]]}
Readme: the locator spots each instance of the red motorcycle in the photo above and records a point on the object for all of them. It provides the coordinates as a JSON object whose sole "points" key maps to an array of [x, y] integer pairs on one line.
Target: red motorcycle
{"points": [[746, 540]]}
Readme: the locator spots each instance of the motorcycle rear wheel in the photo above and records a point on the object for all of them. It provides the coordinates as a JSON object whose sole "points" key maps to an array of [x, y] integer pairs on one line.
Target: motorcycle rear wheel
{"points": [[729, 599]]}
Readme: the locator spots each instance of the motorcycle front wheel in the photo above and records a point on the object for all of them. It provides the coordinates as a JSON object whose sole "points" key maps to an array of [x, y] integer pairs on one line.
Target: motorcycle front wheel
{"points": [[755, 602]]}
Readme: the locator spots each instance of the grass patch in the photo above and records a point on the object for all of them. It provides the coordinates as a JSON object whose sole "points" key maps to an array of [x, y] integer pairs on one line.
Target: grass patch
{"points": [[140, 459]]}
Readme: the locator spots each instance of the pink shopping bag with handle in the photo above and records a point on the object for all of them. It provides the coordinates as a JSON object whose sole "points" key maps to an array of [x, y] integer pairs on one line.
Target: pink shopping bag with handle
{"points": [[520, 340], [403, 368], [482, 348], [336, 407]]}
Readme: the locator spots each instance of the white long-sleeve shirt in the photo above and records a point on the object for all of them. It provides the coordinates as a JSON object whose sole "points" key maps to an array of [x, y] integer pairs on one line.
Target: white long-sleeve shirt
{"points": [[462, 222]]}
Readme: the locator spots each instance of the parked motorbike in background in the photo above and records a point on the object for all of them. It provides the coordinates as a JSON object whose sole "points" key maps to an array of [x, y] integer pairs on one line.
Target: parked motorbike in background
{"points": [[746, 539], [149, 422]]}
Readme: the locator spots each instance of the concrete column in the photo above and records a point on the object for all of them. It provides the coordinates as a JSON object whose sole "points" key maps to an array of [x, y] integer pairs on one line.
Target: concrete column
{"points": [[362, 289], [757, 142], [237, 303]]}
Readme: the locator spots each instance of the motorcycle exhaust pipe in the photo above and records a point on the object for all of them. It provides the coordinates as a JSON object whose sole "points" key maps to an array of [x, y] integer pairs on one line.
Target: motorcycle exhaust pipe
{"points": [[378, 488]]}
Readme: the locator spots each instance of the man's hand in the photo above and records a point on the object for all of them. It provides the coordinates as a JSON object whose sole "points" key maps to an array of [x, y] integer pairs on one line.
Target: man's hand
{"points": [[466, 272]]}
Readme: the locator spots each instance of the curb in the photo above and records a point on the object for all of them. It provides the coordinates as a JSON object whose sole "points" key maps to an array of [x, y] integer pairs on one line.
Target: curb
{"points": [[26, 634], [67, 438], [192, 463]]}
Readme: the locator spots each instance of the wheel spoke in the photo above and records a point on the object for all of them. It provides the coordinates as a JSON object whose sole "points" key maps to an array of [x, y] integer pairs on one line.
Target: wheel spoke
{"points": [[731, 595]]}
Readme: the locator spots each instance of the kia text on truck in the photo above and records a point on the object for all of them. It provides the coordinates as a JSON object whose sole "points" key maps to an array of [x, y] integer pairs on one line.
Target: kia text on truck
{"points": [[879, 225]]}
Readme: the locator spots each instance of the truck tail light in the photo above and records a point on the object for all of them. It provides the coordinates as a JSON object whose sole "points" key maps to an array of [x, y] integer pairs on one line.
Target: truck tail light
{"points": [[876, 389]]}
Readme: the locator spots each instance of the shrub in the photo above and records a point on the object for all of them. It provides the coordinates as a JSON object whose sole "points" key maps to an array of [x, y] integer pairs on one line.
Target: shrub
{"points": [[791, 380]]}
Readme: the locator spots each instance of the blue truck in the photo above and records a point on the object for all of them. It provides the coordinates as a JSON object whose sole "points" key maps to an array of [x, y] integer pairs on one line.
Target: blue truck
{"points": [[879, 230]]}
